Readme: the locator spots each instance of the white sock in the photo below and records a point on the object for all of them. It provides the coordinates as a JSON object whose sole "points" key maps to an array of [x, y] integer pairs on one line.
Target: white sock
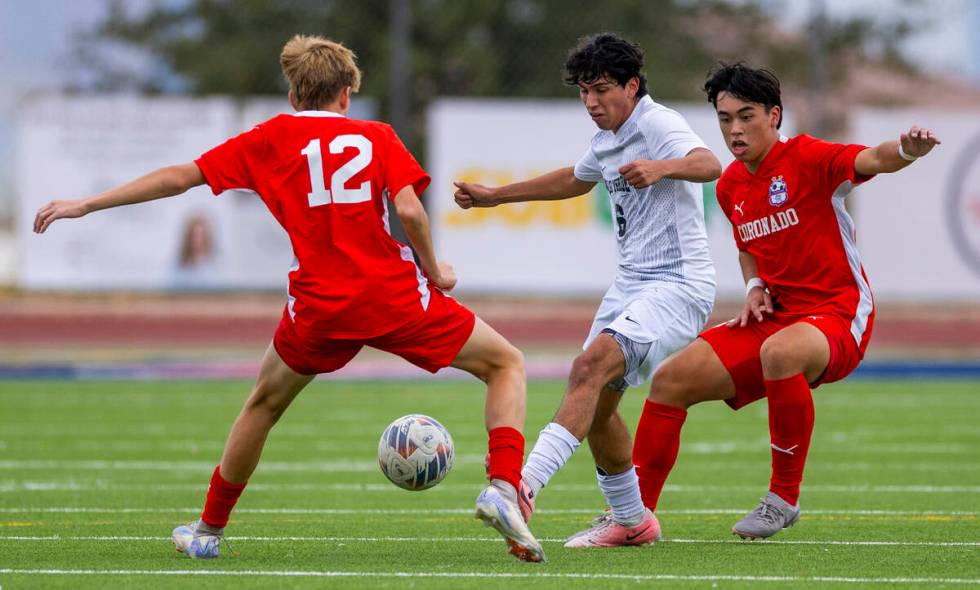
{"points": [[622, 491], [505, 488], [554, 447]]}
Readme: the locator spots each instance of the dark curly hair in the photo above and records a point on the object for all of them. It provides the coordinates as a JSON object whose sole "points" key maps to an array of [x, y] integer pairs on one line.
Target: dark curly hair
{"points": [[605, 55], [760, 85]]}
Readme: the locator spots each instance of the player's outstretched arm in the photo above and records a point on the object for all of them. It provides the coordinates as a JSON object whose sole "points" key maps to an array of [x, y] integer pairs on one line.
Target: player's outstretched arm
{"points": [[892, 156], [555, 185], [699, 165], [412, 214], [165, 182]]}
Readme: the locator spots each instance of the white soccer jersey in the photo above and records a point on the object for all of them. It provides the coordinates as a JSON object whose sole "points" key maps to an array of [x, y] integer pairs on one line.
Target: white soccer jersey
{"points": [[660, 229]]}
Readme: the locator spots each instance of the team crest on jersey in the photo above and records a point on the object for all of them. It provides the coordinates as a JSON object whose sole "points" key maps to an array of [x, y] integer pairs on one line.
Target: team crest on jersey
{"points": [[777, 192]]}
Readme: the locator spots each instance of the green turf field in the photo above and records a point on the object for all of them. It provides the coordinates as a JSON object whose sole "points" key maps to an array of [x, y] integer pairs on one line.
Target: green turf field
{"points": [[94, 475]]}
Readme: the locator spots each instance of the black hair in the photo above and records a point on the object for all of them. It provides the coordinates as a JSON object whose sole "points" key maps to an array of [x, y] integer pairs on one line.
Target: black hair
{"points": [[605, 55], [760, 86]]}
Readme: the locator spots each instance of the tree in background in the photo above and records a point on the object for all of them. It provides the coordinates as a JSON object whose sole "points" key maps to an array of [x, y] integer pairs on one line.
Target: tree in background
{"points": [[500, 48]]}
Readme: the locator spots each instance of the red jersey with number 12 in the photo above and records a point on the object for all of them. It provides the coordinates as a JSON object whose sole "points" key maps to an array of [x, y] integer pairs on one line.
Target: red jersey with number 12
{"points": [[328, 180], [790, 217]]}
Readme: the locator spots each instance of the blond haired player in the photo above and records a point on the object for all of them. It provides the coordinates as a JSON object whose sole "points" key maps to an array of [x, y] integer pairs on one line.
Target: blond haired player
{"points": [[330, 181]]}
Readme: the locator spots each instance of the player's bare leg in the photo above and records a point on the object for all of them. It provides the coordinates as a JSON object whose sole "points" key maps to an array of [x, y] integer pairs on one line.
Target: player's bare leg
{"points": [[495, 361], [627, 522], [609, 438], [609, 442], [800, 348], [492, 359], [692, 375], [275, 388], [792, 358], [601, 363]]}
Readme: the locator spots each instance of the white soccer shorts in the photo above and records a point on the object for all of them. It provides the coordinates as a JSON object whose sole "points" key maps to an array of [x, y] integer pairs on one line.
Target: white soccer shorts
{"points": [[665, 315]]}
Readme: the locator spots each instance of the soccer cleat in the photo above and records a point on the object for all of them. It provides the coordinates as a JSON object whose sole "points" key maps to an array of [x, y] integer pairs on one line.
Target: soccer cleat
{"points": [[596, 521], [187, 540], [772, 515], [606, 532], [525, 501], [502, 514], [525, 497]]}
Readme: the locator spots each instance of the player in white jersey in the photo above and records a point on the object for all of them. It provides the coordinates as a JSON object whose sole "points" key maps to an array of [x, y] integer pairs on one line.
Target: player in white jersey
{"points": [[649, 160]]}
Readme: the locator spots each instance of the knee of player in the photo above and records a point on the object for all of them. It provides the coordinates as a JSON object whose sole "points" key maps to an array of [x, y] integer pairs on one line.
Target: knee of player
{"points": [[672, 384], [263, 401], [506, 358], [779, 355], [585, 368]]}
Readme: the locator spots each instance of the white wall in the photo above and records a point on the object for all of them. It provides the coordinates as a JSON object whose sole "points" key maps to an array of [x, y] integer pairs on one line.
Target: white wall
{"points": [[69, 147], [919, 229]]}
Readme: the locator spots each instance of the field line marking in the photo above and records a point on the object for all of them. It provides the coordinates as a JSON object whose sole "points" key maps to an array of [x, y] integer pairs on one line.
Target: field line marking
{"points": [[396, 511], [371, 465], [12, 486], [487, 540], [538, 574], [409, 511]]}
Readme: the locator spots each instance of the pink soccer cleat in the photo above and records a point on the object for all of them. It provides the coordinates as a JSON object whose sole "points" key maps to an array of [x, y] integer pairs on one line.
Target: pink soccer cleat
{"points": [[525, 501], [606, 532]]}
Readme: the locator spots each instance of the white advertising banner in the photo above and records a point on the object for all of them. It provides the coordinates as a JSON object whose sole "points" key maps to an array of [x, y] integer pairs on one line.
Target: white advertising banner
{"points": [[552, 247], [74, 147], [919, 230], [69, 147]]}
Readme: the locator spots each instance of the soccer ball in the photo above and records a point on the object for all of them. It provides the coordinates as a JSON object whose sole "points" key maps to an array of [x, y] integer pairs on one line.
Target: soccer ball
{"points": [[415, 452]]}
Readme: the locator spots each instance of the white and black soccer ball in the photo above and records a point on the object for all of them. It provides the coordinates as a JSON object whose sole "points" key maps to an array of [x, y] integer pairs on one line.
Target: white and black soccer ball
{"points": [[416, 452]]}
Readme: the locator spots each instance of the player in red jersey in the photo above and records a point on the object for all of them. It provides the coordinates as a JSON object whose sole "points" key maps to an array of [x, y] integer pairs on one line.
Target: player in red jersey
{"points": [[808, 311], [329, 181]]}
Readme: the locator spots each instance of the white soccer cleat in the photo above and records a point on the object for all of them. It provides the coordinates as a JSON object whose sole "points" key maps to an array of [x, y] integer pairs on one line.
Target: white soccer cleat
{"points": [[196, 546], [502, 514]]}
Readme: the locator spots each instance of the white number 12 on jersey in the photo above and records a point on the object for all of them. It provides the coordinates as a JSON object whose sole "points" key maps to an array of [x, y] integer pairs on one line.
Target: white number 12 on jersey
{"points": [[337, 193]]}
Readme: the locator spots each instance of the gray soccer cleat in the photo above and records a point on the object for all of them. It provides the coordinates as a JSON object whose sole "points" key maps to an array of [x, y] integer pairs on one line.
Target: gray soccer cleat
{"points": [[495, 510], [772, 515]]}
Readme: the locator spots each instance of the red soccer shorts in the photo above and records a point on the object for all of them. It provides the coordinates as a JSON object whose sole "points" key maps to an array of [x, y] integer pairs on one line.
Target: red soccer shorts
{"points": [[431, 342], [738, 348]]}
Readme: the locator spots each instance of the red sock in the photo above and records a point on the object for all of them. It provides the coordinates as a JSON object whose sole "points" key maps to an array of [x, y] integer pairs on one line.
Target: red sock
{"points": [[658, 438], [222, 497], [790, 427], [506, 455]]}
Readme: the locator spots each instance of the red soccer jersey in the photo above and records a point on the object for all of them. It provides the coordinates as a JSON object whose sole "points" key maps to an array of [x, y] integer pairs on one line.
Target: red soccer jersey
{"points": [[327, 180], [790, 217]]}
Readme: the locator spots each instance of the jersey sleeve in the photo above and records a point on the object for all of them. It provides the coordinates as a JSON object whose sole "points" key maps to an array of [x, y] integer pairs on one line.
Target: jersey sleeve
{"points": [[234, 164], [836, 161], [401, 168], [724, 201], [587, 168], [669, 136]]}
